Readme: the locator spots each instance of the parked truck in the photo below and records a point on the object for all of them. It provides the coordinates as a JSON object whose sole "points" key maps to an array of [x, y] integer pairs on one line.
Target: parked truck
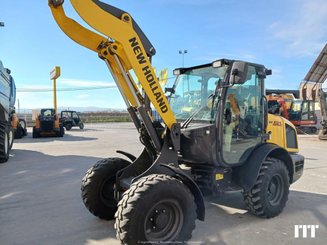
{"points": [[7, 96]]}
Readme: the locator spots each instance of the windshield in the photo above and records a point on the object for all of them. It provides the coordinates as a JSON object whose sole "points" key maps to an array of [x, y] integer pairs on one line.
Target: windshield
{"points": [[194, 92]]}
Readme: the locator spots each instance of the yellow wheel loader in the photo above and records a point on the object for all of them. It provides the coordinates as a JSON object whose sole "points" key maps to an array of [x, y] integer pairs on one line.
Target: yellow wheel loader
{"points": [[216, 135]]}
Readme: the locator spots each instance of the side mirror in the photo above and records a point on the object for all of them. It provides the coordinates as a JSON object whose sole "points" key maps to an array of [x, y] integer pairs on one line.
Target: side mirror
{"points": [[239, 73]]}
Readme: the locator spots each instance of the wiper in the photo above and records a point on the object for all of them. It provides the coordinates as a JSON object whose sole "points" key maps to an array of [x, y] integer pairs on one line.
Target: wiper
{"points": [[191, 117]]}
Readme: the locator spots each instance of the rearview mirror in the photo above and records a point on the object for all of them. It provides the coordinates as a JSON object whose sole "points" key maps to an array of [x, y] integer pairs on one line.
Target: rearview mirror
{"points": [[239, 73]]}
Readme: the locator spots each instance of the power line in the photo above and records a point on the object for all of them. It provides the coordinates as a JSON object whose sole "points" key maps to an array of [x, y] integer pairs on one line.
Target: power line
{"points": [[42, 90], [24, 90]]}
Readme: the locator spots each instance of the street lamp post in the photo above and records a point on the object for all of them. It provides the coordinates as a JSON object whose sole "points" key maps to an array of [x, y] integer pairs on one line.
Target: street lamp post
{"points": [[183, 52]]}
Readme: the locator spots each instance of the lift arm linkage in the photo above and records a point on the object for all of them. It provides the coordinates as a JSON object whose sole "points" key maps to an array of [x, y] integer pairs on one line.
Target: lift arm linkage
{"points": [[125, 48]]}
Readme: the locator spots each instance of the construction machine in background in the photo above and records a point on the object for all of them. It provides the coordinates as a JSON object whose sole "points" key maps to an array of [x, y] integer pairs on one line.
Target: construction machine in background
{"points": [[6, 131], [18, 125], [311, 88], [280, 104], [308, 112], [216, 135], [302, 113], [47, 124]]}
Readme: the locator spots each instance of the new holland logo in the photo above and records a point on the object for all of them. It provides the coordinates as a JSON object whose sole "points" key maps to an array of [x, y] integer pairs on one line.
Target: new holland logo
{"points": [[148, 74]]}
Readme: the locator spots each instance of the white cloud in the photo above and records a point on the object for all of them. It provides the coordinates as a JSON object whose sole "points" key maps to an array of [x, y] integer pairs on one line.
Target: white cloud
{"points": [[305, 30], [84, 83], [82, 96]]}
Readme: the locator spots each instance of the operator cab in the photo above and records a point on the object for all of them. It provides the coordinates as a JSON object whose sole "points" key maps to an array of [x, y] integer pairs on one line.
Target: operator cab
{"points": [[224, 100], [47, 112]]}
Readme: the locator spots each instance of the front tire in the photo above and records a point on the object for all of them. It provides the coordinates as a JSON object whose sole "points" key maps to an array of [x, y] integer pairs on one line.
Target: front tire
{"points": [[98, 187], [269, 195], [4, 143], [156, 208]]}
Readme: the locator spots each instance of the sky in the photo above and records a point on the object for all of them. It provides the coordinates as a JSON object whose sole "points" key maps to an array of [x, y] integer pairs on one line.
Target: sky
{"points": [[284, 35]]}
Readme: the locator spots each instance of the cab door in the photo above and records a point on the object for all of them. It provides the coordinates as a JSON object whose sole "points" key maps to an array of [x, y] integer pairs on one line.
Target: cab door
{"points": [[243, 119]]}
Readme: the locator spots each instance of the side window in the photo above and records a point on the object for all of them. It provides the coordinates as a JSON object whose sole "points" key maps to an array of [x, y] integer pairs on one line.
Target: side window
{"points": [[75, 115], [243, 118]]}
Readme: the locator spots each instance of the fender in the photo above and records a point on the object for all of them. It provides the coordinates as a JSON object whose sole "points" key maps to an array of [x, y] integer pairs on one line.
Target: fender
{"points": [[195, 190], [246, 175]]}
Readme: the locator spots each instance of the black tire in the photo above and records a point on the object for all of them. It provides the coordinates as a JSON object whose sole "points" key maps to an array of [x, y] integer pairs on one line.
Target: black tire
{"points": [[61, 131], [25, 132], [22, 123], [35, 134], [270, 193], [156, 208], [4, 143], [98, 187], [68, 126], [11, 136], [81, 125], [19, 132], [322, 134]]}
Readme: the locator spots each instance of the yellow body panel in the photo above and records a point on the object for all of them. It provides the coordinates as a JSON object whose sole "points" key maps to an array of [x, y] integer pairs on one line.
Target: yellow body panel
{"points": [[124, 42], [88, 39], [276, 130]]}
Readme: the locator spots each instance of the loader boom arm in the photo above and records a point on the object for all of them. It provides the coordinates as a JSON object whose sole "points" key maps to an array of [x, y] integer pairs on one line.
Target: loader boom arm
{"points": [[123, 47]]}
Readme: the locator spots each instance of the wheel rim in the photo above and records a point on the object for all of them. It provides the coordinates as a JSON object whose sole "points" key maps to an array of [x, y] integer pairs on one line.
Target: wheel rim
{"points": [[107, 192], [275, 190], [11, 137], [23, 124], [164, 221]]}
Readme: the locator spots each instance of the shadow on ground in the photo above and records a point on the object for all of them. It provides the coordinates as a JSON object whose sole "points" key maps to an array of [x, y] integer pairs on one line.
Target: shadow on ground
{"points": [[40, 202], [67, 138]]}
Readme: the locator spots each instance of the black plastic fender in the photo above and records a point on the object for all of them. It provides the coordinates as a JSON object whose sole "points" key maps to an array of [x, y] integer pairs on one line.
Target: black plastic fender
{"points": [[246, 175], [195, 190]]}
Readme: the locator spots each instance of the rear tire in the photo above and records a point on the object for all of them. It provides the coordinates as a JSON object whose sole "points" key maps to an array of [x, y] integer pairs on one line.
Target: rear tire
{"points": [[19, 132], [81, 125], [68, 126], [156, 208], [322, 134], [4, 143], [98, 187], [23, 124], [269, 195], [61, 131]]}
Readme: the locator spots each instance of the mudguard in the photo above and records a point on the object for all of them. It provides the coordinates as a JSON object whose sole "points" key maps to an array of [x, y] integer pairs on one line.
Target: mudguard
{"points": [[246, 175]]}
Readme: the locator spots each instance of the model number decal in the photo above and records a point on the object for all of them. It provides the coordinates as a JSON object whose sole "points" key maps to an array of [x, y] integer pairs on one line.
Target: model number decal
{"points": [[275, 123]]}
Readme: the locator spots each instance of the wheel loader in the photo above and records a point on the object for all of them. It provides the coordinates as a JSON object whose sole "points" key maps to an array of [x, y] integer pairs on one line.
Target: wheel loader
{"points": [[216, 135]]}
